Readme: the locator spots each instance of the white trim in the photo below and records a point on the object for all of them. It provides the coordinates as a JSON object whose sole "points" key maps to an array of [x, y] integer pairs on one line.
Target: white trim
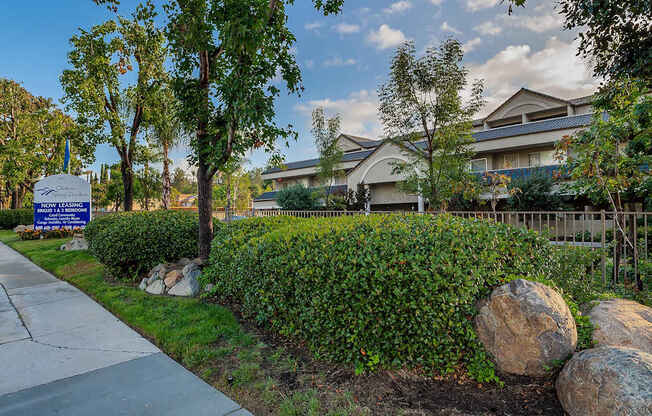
{"points": [[364, 175], [486, 164]]}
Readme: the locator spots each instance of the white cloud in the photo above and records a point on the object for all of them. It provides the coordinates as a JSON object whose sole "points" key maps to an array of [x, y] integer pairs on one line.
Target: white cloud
{"points": [[398, 7], [538, 24], [554, 70], [313, 25], [337, 61], [437, 2], [358, 112], [474, 5], [346, 28], [488, 28], [448, 28], [470, 45], [386, 37]]}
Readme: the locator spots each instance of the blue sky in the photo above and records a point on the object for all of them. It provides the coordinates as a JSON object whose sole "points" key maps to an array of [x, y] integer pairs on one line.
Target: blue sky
{"points": [[343, 59]]}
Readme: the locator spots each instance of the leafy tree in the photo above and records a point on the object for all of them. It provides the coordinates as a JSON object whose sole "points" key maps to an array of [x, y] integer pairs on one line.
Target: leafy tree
{"points": [[297, 198], [326, 131], [423, 112], [166, 133], [33, 133], [496, 185], [611, 158], [357, 200], [182, 183], [615, 35], [226, 55], [115, 187], [95, 90], [149, 186]]}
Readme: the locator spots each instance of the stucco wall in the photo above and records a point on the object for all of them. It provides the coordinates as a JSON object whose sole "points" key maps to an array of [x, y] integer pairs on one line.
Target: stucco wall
{"points": [[376, 168], [388, 193]]}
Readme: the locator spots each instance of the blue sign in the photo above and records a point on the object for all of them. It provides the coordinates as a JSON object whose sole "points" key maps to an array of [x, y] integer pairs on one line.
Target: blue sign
{"points": [[53, 215], [62, 201]]}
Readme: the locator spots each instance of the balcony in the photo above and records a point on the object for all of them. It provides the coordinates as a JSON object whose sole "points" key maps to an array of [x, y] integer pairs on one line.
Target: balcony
{"points": [[554, 171]]}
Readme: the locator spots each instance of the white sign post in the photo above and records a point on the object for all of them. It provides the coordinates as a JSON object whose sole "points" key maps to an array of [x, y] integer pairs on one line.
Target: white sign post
{"points": [[62, 201]]}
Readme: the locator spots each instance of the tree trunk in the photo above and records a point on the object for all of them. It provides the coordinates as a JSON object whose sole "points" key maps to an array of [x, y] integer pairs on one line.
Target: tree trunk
{"points": [[165, 197], [204, 203], [128, 186]]}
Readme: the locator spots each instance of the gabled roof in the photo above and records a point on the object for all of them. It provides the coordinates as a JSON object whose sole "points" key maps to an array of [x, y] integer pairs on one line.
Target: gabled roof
{"points": [[363, 141], [526, 91], [346, 157], [534, 127]]}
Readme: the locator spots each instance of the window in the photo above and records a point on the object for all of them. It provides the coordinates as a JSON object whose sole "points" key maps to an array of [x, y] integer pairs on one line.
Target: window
{"points": [[479, 165], [534, 159], [510, 160]]}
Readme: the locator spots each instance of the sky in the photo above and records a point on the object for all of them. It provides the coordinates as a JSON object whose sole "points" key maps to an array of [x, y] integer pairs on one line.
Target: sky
{"points": [[343, 58]]}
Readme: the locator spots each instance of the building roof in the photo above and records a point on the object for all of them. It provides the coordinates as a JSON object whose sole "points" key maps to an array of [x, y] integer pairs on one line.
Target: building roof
{"points": [[270, 196], [534, 127], [363, 141], [346, 157]]}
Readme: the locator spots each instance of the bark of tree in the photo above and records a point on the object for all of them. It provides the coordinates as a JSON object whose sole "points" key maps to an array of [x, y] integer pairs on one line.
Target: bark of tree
{"points": [[128, 185]]}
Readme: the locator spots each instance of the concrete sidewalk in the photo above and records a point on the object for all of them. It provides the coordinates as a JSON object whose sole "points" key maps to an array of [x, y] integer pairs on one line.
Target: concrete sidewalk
{"points": [[61, 353]]}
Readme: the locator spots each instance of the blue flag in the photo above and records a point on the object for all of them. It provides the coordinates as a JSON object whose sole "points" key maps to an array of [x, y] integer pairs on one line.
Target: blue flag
{"points": [[66, 157]]}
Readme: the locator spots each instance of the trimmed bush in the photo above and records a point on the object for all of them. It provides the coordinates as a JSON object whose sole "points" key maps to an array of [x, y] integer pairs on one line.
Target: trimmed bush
{"points": [[376, 291], [129, 244], [10, 218]]}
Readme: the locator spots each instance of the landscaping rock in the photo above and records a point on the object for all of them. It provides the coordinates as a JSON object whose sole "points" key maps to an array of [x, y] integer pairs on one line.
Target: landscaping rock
{"points": [[156, 288], [526, 327], [209, 287], [171, 278], [158, 268], [143, 284], [183, 261], [621, 322], [189, 268], [154, 277], [21, 228], [198, 261], [76, 244], [607, 381], [188, 286]]}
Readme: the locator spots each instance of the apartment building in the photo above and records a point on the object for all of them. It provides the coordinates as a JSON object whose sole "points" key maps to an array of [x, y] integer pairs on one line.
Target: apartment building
{"points": [[515, 139]]}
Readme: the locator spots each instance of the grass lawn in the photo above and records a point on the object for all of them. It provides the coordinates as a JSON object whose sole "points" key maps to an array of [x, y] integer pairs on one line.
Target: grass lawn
{"points": [[206, 338]]}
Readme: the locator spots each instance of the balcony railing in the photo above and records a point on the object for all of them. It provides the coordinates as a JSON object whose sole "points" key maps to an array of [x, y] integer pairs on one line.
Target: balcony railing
{"points": [[518, 173]]}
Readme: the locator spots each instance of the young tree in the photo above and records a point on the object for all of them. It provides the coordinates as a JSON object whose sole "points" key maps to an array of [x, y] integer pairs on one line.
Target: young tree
{"points": [[226, 55], [326, 131], [166, 133], [423, 112], [297, 198], [498, 185], [101, 59]]}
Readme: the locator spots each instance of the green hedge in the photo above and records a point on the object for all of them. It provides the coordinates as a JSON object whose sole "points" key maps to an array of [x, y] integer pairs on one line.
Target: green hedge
{"points": [[129, 244], [377, 291], [10, 218]]}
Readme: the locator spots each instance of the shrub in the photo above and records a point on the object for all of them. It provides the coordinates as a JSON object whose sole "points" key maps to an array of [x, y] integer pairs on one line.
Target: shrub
{"points": [[46, 234], [129, 244], [377, 291], [297, 198], [10, 218]]}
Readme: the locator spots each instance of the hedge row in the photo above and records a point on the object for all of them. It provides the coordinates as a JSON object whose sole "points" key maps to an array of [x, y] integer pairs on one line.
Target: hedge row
{"points": [[129, 244], [10, 218], [386, 291]]}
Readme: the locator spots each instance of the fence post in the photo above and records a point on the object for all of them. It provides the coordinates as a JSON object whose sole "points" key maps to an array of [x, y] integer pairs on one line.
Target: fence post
{"points": [[603, 219]]}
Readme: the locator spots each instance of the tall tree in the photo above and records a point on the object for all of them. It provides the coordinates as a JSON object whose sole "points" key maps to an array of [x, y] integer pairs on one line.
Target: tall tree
{"points": [[326, 131], [166, 133], [33, 133], [612, 156], [101, 61], [616, 36], [226, 54], [422, 110]]}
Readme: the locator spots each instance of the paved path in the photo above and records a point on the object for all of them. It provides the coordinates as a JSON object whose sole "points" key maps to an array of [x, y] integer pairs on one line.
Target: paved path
{"points": [[61, 353]]}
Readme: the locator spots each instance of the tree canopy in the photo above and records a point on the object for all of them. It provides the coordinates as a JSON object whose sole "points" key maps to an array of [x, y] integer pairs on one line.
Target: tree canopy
{"points": [[423, 112], [326, 132]]}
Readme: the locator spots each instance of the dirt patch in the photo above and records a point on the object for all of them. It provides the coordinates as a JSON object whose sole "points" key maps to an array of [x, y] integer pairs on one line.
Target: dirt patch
{"points": [[398, 392]]}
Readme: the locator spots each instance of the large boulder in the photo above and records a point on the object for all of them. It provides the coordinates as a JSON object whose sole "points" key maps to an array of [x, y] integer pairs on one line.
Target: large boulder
{"points": [[526, 327], [188, 286], [156, 288], [622, 322], [171, 278], [607, 381]]}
